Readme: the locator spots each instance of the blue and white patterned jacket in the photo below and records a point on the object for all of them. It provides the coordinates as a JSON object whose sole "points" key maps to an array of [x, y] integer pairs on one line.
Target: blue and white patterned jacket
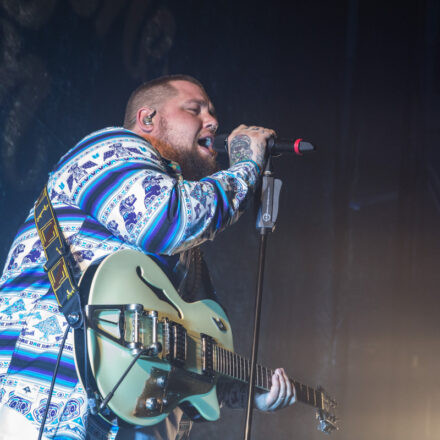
{"points": [[111, 191]]}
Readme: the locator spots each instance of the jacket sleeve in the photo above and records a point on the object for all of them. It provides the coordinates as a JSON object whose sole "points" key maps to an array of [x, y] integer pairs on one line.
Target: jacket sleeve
{"points": [[121, 181], [232, 394]]}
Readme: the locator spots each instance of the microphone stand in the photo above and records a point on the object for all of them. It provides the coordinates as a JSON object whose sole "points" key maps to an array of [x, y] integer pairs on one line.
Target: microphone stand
{"points": [[267, 215]]}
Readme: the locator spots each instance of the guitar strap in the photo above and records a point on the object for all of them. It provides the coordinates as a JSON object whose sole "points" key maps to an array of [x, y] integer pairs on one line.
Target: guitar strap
{"points": [[58, 255], [192, 277]]}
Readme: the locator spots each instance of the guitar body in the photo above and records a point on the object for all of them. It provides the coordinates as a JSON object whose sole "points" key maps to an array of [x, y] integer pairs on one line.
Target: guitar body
{"points": [[130, 277]]}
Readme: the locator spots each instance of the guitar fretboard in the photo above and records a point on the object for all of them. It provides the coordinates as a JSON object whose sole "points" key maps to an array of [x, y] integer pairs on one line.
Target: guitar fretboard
{"points": [[231, 364]]}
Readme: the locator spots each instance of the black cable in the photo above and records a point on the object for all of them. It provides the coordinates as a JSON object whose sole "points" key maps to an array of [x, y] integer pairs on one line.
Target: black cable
{"points": [[54, 376], [112, 392]]}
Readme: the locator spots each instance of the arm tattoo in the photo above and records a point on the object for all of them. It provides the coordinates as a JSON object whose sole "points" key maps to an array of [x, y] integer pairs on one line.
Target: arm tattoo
{"points": [[259, 156], [240, 149]]}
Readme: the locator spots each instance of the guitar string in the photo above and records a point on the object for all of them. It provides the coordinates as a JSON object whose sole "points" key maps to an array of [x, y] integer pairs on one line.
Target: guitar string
{"points": [[228, 364], [229, 360]]}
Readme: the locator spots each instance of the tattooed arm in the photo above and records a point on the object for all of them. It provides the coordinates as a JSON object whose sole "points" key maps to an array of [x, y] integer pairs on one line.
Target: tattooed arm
{"points": [[249, 143]]}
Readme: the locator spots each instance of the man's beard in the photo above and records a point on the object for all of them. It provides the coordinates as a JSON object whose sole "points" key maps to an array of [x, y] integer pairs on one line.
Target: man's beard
{"points": [[194, 165]]}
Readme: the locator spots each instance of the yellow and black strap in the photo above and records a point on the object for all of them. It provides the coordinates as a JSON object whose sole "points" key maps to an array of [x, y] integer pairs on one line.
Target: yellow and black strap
{"points": [[57, 266]]}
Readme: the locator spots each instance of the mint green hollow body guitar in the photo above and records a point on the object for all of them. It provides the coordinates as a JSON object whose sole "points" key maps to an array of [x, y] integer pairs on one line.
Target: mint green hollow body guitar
{"points": [[181, 349]]}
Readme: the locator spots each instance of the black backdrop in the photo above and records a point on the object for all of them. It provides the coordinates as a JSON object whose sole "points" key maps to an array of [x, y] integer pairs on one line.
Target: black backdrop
{"points": [[351, 282]]}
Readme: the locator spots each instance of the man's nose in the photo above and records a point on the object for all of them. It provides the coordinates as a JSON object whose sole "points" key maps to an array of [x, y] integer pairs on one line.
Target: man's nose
{"points": [[210, 123]]}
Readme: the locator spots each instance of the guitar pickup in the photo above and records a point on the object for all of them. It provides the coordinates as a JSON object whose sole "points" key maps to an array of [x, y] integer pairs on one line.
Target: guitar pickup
{"points": [[176, 344], [207, 354]]}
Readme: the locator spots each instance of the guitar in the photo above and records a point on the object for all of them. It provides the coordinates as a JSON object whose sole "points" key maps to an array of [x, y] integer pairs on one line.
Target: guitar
{"points": [[170, 351]]}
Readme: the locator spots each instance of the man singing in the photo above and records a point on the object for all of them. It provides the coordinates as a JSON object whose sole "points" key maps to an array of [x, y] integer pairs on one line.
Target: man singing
{"points": [[152, 186]]}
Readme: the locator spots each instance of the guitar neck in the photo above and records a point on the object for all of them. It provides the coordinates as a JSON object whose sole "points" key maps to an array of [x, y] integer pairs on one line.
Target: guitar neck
{"points": [[234, 366]]}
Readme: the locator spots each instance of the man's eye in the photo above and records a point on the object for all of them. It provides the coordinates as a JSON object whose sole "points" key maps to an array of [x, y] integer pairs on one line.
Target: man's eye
{"points": [[195, 110]]}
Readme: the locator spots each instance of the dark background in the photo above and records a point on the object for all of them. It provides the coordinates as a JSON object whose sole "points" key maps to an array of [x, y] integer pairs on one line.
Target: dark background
{"points": [[352, 272]]}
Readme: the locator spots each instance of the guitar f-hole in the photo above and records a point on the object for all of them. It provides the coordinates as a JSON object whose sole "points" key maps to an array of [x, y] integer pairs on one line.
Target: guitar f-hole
{"points": [[158, 292]]}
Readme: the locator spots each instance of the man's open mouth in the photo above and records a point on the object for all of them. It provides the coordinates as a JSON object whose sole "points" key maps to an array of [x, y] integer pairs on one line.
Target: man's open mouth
{"points": [[207, 142]]}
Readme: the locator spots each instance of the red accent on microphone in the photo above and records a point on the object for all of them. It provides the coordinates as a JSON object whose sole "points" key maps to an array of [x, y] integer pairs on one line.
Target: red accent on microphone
{"points": [[296, 147]]}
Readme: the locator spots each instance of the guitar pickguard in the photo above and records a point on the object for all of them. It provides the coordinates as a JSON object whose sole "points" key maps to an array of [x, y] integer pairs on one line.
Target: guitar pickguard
{"points": [[164, 390]]}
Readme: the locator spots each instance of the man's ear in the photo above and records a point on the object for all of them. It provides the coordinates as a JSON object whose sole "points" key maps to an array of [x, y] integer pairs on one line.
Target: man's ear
{"points": [[145, 120]]}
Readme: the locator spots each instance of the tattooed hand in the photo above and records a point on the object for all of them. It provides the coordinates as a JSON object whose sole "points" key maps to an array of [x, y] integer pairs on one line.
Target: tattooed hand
{"points": [[281, 393], [249, 143]]}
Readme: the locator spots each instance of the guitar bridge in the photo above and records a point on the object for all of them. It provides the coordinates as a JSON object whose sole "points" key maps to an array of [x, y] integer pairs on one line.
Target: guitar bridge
{"points": [[126, 325]]}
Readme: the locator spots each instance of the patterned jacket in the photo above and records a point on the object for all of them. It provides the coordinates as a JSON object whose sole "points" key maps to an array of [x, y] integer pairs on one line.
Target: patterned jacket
{"points": [[111, 191]]}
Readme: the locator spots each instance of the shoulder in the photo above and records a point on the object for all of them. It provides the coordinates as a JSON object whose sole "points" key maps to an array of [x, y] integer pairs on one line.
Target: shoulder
{"points": [[109, 149], [117, 140]]}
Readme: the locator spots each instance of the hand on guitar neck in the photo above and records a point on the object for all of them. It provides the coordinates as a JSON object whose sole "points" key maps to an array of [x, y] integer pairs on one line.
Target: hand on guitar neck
{"points": [[281, 394]]}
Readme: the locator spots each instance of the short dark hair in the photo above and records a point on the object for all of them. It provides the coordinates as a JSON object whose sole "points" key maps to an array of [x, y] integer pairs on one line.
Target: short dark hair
{"points": [[153, 93]]}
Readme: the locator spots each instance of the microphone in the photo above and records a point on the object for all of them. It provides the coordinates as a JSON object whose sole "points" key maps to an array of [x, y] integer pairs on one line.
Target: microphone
{"points": [[275, 147]]}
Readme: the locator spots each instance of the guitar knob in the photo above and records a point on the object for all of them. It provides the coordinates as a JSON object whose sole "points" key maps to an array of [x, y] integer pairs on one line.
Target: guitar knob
{"points": [[151, 404], [161, 381]]}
